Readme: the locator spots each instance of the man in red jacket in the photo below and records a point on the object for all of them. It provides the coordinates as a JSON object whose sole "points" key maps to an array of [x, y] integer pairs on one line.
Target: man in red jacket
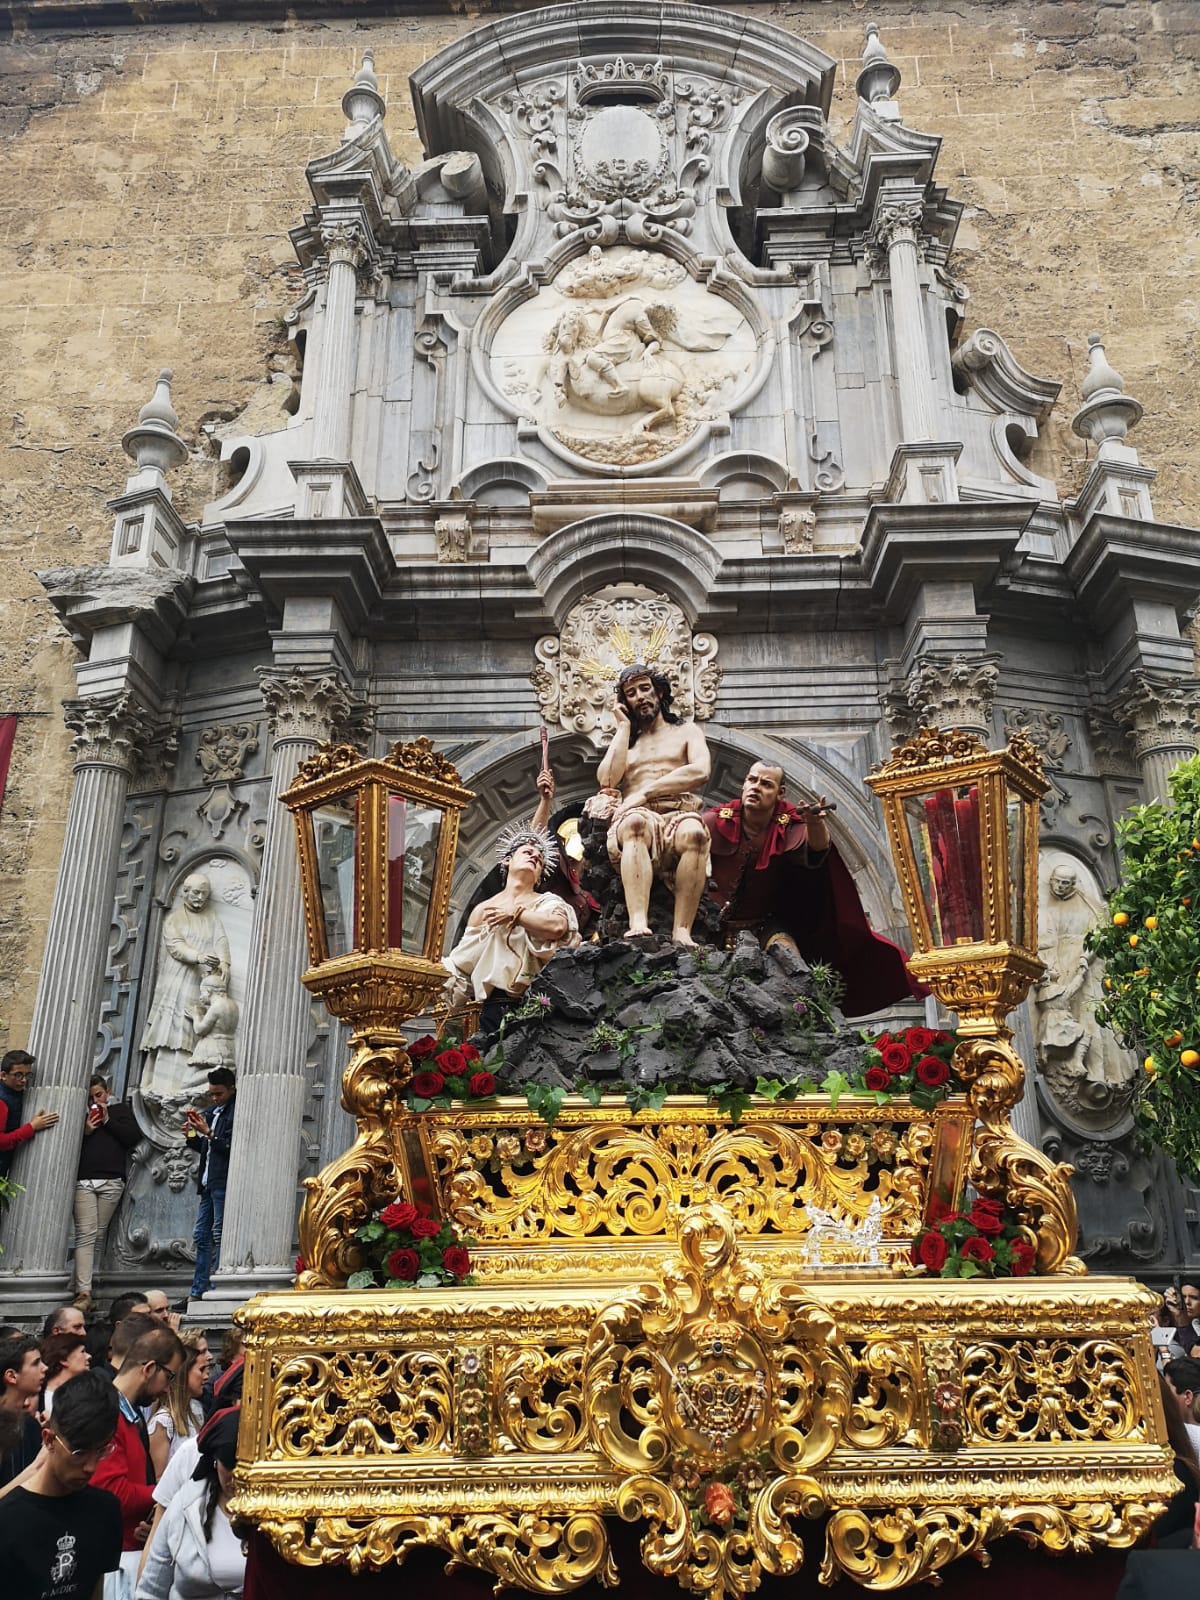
{"points": [[153, 1360], [777, 874]]}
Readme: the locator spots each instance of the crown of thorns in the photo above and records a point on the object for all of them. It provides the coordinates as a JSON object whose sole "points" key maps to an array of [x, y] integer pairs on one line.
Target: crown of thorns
{"points": [[516, 835]]}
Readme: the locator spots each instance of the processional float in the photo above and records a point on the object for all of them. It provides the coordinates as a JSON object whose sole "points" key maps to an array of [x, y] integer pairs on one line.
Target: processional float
{"points": [[650, 1333]]}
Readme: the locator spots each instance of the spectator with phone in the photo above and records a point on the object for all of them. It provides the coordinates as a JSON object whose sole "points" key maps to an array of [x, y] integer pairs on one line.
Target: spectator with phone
{"points": [[110, 1132], [210, 1132]]}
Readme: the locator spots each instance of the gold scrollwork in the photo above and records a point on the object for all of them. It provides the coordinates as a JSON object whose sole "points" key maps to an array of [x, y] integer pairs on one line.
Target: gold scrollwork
{"points": [[539, 1398], [548, 1555], [1054, 1389], [623, 1180], [893, 1549], [886, 1399], [1004, 1165], [421, 758], [361, 1403]]}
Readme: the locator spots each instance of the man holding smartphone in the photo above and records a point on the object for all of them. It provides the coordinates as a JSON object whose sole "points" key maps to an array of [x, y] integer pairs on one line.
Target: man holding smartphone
{"points": [[211, 1132]]}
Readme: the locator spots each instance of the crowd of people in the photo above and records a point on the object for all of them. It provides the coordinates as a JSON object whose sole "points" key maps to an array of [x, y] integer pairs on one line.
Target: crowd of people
{"points": [[118, 1438]]}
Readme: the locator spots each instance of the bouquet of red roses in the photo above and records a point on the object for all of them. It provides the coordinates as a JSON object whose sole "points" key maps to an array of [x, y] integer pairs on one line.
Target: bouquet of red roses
{"points": [[915, 1062], [409, 1249], [984, 1242], [444, 1072]]}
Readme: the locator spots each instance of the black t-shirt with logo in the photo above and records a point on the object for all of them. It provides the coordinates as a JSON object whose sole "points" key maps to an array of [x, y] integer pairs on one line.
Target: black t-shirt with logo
{"points": [[58, 1547]]}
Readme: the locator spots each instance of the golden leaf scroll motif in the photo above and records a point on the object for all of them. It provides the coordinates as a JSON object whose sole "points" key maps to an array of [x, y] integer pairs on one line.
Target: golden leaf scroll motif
{"points": [[718, 1394], [361, 1403], [1051, 1389], [618, 1180]]}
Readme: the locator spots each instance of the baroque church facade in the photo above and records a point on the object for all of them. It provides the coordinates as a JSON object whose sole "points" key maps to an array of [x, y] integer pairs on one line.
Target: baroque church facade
{"points": [[639, 360]]}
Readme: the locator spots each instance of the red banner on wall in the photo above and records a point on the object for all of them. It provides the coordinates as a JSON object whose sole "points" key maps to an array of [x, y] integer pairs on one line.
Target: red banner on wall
{"points": [[8, 732]]}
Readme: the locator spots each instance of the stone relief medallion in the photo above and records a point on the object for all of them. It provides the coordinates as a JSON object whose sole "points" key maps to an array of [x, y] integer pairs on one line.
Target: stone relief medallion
{"points": [[576, 672], [623, 356], [621, 152]]}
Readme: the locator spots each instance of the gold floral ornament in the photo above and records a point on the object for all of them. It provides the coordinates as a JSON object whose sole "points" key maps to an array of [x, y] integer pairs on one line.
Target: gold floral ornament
{"points": [[718, 1395]]}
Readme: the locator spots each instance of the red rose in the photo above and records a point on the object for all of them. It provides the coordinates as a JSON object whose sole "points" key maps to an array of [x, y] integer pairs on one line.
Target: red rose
{"points": [[398, 1215], [884, 1038], [456, 1261], [421, 1048], [481, 1085], [878, 1079], [468, 1052], [939, 1211], [426, 1085], [985, 1221], [976, 1250], [424, 1227], [299, 1265], [403, 1264], [985, 1202], [1021, 1257], [932, 1072], [932, 1251], [942, 1037], [896, 1059], [451, 1062], [918, 1040]]}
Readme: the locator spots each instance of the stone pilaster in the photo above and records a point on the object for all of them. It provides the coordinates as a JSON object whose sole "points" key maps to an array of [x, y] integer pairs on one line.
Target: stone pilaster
{"points": [[953, 692], [344, 245], [1163, 717], [897, 230], [112, 736], [306, 709]]}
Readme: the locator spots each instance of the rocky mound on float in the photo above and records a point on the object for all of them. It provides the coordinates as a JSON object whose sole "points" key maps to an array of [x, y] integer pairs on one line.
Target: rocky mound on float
{"points": [[637, 1016]]}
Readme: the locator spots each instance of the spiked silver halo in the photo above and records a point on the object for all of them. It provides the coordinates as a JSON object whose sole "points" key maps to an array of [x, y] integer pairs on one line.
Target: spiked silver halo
{"points": [[516, 834]]}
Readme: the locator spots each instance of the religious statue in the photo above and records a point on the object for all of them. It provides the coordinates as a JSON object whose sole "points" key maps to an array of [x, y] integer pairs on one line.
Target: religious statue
{"points": [[193, 946], [777, 874], [511, 936], [647, 777], [1084, 1066], [214, 1023]]}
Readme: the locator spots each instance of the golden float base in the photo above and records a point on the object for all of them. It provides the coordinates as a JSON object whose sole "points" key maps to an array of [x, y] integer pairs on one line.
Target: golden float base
{"points": [[723, 1400]]}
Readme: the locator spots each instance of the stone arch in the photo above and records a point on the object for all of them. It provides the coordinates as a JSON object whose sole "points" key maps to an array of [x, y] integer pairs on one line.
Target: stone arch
{"points": [[625, 547], [501, 771]]}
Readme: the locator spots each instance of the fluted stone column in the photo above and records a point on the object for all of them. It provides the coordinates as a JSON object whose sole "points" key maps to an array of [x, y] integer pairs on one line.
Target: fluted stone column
{"points": [[110, 737], [1163, 716], [260, 1204], [896, 229], [339, 345]]}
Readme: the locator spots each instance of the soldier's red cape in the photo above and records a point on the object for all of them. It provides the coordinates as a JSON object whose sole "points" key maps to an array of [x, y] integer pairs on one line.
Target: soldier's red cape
{"points": [[818, 906]]}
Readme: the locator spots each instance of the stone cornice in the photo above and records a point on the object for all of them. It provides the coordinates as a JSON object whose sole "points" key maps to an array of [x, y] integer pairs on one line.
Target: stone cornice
{"points": [[1118, 559], [87, 599], [349, 560]]}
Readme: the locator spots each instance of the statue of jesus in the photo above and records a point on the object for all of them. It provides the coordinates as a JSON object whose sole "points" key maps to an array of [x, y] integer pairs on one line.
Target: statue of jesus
{"points": [[647, 777]]}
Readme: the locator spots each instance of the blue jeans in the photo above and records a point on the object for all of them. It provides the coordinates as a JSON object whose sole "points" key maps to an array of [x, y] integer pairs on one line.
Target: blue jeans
{"points": [[207, 1238]]}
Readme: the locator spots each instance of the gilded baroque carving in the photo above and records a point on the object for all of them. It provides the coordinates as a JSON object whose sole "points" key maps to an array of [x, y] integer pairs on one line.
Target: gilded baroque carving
{"points": [[360, 1402], [577, 669], [623, 356], [1059, 1390]]}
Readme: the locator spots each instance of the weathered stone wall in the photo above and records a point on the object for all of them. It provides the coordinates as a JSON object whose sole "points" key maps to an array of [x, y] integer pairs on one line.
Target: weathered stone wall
{"points": [[152, 173]]}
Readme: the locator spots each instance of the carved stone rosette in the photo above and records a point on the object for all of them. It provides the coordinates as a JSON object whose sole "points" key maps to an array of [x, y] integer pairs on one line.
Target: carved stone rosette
{"points": [[576, 673]]}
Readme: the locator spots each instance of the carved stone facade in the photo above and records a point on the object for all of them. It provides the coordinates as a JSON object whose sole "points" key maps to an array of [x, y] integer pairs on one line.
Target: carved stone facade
{"points": [[639, 359]]}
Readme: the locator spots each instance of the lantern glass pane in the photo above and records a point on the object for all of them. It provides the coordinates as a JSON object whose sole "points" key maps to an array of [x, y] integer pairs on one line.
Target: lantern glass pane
{"points": [[335, 834], [413, 833], [943, 828], [1016, 868]]}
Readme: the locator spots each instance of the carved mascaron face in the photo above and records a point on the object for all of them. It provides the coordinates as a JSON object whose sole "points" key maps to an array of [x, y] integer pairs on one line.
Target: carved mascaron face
{"points": [[623, 356]]}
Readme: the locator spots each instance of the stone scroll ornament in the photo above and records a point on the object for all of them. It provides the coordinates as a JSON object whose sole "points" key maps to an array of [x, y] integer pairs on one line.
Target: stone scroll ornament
{"points": [[577, 669], [623, 356]]}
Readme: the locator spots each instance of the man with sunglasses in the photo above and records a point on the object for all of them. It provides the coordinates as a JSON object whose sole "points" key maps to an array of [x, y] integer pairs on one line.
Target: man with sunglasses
{"points": [[16, 1074], [58, 1535], [154, 1358]]}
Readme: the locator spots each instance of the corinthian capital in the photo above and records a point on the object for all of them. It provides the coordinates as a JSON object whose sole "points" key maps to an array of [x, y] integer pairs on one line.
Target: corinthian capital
{"points": [[305, 705], [1160, 714], [344, 241], [953, 691], [896, 220], [116, 731]]}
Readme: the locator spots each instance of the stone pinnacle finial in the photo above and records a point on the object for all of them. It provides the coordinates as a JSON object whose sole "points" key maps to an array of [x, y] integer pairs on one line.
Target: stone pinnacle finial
{"points": [[879, 79], [153, 443], [362, 101], [1107, 412]]}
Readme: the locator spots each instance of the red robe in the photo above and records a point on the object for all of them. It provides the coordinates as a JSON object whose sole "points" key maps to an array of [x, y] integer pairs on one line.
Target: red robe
{"points": [[817, 904]]}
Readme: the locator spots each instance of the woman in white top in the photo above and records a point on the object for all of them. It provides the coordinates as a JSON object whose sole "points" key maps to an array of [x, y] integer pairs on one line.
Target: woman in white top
{"points": [[179, 1413], [511, 937], [196, 1555]]}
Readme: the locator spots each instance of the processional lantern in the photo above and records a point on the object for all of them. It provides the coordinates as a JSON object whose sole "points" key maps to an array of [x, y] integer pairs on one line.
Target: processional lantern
{"points": [[377, 840], [962, 822]]}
